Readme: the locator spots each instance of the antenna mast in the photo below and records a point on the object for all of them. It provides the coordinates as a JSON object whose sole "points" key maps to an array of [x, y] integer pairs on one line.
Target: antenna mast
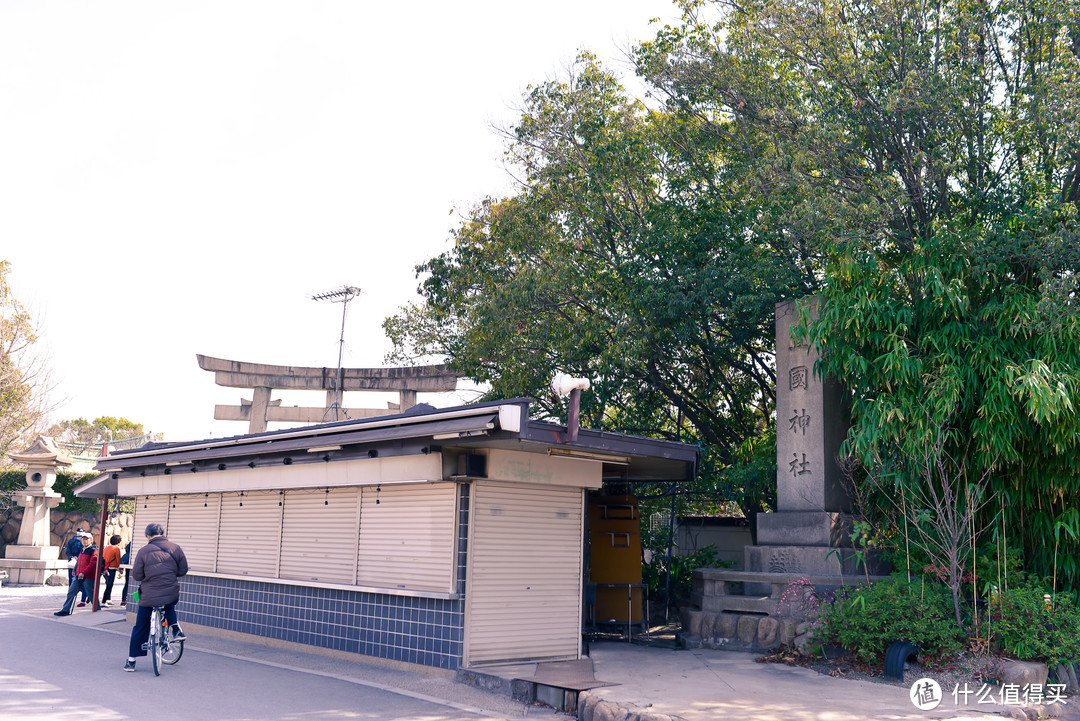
{"points": [[342, 295]]}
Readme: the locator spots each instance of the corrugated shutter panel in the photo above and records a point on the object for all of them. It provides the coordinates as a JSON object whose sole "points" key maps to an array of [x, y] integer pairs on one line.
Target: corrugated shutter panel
{"points": [[250, 533], [318, 535], [524, 590], [148, 509], [407, 537], [193, 525]]}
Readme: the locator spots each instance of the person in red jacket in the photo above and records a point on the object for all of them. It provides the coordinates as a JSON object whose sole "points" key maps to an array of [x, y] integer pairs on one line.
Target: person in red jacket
{"points": [[86, 570], [158, 567]]}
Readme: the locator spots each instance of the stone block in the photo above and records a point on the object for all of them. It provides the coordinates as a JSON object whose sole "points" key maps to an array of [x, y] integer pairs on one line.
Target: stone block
{"points": [[727, 625], [803, 528], [708, 625], [806, 560], [692, 624], [787, 630], [747, 629], [768, 632]]}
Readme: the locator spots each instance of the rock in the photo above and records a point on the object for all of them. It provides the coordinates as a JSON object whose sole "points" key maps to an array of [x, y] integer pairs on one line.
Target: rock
{"points": [[692, 624], [586, 704], [747, 629], [605, 711], [1073, 684], [787, 631], [10, 531], [1066, 712], [802, 642], [1020, 714], [1021, 673], [727, 625], [627, 713], [56, 580], [802, 628], [768, 632], [708, 622]]}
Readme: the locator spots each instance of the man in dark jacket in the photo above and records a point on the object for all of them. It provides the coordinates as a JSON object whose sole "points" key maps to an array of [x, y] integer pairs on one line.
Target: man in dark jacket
{"points": [[158, 567]]}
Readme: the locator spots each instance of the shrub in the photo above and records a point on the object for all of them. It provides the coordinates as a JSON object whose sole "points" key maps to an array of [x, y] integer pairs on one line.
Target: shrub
{"points": [[867, 619], [1024, 624], [654, 573]]}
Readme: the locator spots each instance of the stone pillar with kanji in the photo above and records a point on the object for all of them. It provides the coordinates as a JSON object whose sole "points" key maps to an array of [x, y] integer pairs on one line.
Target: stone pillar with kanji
{"points": [[33, 558], [812, 508]]}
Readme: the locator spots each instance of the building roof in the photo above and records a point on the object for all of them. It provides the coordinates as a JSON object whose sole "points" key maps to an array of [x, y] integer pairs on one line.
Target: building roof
{"points": [[422, 429]]}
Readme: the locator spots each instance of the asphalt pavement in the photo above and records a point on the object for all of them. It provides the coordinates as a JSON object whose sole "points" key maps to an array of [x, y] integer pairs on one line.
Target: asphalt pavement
{"points": [[67, 668], [56, 669]]}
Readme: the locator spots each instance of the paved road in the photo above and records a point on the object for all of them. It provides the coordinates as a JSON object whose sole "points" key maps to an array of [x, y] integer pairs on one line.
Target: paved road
{"points": [[60, 669]]}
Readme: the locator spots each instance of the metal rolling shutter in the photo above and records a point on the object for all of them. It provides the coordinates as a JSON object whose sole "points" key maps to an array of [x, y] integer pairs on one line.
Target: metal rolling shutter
{"points": [[148, 509], [250, 534], [318, 535], [193, 525], [407, 537], [524, 584]]}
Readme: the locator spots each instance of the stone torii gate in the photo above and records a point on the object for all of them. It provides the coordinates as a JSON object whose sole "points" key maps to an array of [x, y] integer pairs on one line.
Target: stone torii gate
{"points": [[264, 379]]}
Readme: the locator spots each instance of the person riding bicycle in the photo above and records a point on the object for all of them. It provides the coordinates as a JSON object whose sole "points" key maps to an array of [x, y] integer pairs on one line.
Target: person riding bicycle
{"points": [[158, 567]]}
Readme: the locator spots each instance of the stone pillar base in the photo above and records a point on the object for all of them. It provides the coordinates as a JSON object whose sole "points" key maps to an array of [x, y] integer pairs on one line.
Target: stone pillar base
{"points": [[35, 553], [32, 572]]}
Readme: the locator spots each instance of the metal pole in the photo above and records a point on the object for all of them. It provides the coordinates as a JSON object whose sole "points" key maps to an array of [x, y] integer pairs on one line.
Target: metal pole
{"points": [[671, 532]]}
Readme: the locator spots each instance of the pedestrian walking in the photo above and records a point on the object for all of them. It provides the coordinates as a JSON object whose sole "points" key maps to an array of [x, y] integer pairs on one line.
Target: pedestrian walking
{"points": [[111, 556], [87, 568]]}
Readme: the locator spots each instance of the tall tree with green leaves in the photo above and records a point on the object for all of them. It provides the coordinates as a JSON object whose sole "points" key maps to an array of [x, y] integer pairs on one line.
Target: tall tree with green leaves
{"points": [[635, 254], [940, 146], [84, 434], [23, 377]]}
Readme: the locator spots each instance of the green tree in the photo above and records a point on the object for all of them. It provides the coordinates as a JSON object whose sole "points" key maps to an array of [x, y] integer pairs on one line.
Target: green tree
{"points": [[23, 377], [940, 147], [84, 434], [634, 254]]}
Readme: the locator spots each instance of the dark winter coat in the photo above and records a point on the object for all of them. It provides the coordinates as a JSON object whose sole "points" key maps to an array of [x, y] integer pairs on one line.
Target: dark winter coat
{"points": [[158, 567]]}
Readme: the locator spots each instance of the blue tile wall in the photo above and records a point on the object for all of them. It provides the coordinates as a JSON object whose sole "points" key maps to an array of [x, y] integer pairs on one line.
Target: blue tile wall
{"points": [[425, 631]]}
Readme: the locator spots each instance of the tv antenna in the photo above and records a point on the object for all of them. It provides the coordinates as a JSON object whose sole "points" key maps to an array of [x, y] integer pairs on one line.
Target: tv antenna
{"points": [[342, 295]]}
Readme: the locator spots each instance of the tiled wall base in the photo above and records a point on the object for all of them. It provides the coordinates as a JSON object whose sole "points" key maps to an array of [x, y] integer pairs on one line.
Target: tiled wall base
{"points": [[423, 631]]}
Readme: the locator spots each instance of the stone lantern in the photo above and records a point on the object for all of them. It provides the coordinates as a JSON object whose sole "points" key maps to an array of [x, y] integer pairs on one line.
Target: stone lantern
{"points": [[33, 559]]}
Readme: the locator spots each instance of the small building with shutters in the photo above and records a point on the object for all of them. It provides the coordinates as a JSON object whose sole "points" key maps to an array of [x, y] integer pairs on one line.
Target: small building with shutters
{"points": [[450, 538]]}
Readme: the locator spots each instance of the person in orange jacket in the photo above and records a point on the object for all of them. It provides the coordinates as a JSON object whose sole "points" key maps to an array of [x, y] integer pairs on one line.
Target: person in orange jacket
{"points": [[111, 556]]}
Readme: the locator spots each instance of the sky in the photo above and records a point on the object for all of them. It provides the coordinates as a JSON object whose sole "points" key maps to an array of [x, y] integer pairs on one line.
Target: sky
{"points": [[181, 178]]}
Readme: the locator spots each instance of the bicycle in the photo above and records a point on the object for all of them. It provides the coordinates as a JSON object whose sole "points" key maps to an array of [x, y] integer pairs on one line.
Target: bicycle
{"points": [[161, 645]]}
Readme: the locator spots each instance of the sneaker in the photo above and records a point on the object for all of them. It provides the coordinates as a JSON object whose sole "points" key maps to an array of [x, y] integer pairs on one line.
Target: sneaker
{"points": [[80, 604], [106, 603], [129, 665], [178, 634], [61, 613]]}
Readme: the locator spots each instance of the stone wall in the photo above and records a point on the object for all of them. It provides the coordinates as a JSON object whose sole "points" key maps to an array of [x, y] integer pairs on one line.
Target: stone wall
{"points": [[63, 524]]}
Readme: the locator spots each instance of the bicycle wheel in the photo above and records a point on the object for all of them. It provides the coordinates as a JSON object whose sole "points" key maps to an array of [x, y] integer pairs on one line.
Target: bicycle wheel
{"points": [[173, 651], [155, 641]]}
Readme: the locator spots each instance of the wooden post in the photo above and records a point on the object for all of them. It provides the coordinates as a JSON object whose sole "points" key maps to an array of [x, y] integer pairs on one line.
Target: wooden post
{"points": [[96, 606]]}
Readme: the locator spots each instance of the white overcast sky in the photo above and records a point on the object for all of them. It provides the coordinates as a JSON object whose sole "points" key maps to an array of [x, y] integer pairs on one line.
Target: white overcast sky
{"points": [[180, 178]]}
